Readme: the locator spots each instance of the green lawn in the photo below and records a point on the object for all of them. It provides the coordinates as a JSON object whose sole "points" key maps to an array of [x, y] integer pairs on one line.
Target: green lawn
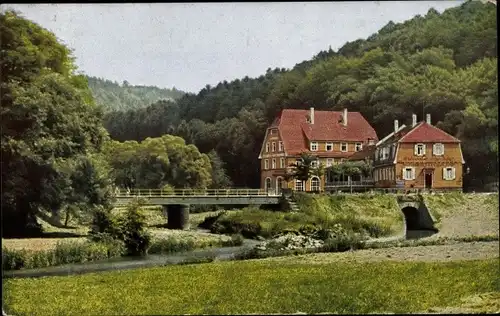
{"points": [[256, 287]]}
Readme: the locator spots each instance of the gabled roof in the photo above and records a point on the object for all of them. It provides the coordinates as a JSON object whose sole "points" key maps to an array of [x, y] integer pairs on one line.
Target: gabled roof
{"points": [[367, 151], [296, 132], [424, 132], [421, 133]]}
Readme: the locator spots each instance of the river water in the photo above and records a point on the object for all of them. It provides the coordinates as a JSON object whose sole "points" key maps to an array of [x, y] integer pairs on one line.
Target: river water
{"points": [[124, 263]]}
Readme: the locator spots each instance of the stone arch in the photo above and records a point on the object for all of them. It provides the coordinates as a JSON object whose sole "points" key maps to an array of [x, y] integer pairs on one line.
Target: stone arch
{"points": [[417, 220]]}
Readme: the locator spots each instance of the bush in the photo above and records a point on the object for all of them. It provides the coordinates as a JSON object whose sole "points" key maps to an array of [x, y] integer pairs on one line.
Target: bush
{"points": [[64, 253], [128, 228]]}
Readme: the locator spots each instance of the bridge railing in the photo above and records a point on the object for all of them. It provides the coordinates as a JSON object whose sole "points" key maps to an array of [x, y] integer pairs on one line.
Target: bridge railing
{"points": [[193, 193]]}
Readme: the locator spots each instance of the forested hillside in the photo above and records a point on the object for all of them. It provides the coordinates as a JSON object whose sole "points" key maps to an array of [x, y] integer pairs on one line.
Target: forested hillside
{"points": [[115, 97], [442, 64]]}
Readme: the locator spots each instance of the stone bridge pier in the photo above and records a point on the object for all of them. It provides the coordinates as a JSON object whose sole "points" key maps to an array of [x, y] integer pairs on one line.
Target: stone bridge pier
{"points": [[177, 216]]}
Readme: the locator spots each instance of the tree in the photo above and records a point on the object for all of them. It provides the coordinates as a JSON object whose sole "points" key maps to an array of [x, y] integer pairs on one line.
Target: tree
{"points": [[49, 125], [303, 169]]}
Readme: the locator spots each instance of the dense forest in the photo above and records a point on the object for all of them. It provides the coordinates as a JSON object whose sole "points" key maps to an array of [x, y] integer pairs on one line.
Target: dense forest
{"points": [[442, 64], [115, 97]]}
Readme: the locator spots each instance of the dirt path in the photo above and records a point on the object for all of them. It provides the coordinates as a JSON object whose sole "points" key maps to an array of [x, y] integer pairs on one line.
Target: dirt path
{"points": [[461, 251]]}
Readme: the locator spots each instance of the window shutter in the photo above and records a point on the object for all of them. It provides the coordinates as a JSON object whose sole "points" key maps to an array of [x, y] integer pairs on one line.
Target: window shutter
{"points": [[404, 175], [416, 152], [413, 173], [453, 173], [423, 151], [444, 174]]}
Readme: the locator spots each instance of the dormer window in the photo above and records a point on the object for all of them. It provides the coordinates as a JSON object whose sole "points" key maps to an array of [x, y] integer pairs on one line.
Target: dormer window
{"points": [[280, 146], [420, 149], [273, 147], [438, 149], [314, 146]]}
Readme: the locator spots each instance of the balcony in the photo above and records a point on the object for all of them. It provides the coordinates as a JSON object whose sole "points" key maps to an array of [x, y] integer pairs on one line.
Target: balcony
{"points": [[365, 183]]}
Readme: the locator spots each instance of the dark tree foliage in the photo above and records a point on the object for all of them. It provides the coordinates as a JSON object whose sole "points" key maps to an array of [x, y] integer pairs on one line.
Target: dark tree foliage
{"points": [[51, 130]]}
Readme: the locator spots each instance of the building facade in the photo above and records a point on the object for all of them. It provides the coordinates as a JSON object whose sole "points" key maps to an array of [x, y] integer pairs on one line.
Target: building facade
{"points": [[420, 156], [330, 136]]}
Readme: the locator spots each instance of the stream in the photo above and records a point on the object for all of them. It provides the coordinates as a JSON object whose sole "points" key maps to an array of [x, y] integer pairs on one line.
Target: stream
{"points": [[155, 260], [125, 263]]}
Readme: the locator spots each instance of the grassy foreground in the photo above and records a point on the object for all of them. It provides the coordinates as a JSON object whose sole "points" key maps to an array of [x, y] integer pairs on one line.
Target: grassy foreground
{"points": [[256, 287]]}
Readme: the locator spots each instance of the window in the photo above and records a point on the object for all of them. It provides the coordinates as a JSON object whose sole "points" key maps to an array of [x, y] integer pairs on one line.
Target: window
{"points": [[409, 173], [267, 184], [273, 164], [273, 147], [314, 146], [299, 185], [449, 173], [438, 149], [314, 164], [282, 162], [358, 146], [329, 146], [314, 184], [298, 161], [385, 153], [267, 147], [329, 162], [419, 149], [266, 164], [343, 147], [279, 184], [280, 146]]}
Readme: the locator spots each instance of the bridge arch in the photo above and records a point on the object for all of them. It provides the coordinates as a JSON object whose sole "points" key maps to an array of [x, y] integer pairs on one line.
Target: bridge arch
{"points": [[417, 220]]}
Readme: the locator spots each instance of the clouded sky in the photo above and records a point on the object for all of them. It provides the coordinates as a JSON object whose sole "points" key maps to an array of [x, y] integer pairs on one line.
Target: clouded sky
{"points": [[189, 45]]}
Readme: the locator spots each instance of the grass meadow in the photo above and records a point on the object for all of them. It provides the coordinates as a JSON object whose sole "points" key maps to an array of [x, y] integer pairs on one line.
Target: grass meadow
{"points": [[257, 286]]}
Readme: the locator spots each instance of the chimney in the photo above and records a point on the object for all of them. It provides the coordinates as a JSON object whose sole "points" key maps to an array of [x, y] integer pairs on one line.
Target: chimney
{"points": [[428, 118], [396, 126], [414, 120], [344, 118], [312, 115]]}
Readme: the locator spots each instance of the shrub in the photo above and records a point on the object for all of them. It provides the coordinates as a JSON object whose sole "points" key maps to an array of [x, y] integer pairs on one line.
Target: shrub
{"points": [[128, 227], [171, 244]]}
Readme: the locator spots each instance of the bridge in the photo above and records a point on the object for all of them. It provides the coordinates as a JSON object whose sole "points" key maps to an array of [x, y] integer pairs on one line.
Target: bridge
{"points": [[176, 202]]}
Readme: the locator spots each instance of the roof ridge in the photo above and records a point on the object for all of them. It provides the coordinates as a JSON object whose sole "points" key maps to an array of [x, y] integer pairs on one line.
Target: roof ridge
{"points": [[411, 131]]}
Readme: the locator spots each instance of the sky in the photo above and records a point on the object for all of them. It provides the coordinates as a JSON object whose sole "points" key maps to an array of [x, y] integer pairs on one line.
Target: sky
{"points": [[190, 45]]}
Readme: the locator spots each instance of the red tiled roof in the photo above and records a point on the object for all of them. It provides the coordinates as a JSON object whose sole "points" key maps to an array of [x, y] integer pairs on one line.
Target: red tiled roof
{"points": [[367, 151], [424, 132], [296, 132]]}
